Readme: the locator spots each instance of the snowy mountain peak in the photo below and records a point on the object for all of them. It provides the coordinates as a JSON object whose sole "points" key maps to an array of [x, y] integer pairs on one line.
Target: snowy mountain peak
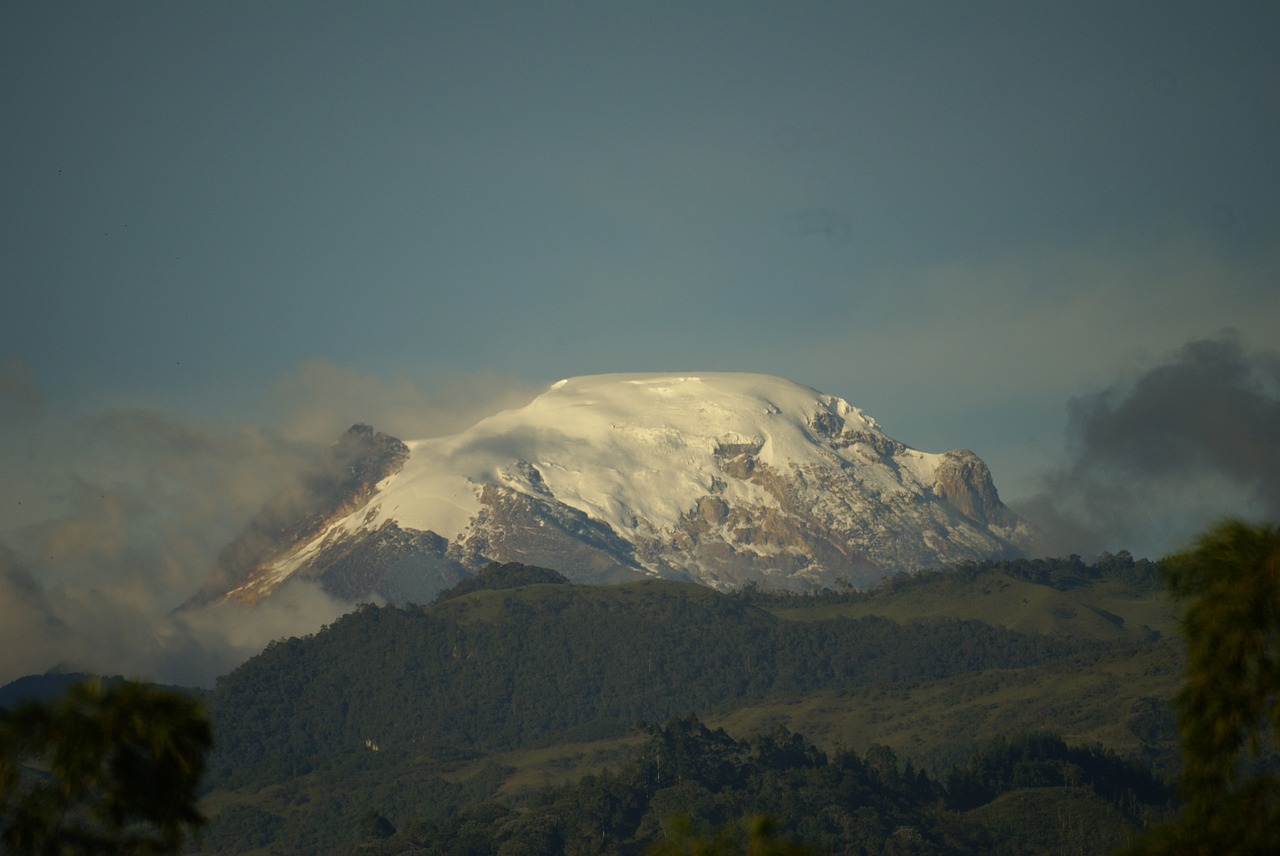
{"points": [[718, 477]]}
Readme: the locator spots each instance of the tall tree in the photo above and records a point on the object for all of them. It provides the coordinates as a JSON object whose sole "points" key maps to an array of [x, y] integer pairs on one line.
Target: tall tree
{"points": [[105, 769], [1229, 706]]}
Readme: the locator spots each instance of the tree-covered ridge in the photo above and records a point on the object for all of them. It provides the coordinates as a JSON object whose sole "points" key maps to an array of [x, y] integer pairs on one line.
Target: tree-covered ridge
{"points": [[496, 670], [1115, 598], [1061, 573], [689, 783], [481, 695], [498, 576]]}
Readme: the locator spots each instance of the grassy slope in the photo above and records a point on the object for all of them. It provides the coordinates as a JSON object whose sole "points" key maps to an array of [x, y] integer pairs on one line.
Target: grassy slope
{"points": [[936, 724], [1105, 700], [1109, 609], [1086, 699]]}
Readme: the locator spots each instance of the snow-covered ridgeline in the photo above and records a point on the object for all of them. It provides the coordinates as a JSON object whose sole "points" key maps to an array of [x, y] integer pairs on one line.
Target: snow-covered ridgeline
{"points": [[723, 478], [636, 451]]}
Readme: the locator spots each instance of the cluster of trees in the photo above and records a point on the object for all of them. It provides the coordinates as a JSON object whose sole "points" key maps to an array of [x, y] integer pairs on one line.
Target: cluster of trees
{"points": [[690, 784], [1073, 572], [104, 769], [506, 575], [1043, 759]]}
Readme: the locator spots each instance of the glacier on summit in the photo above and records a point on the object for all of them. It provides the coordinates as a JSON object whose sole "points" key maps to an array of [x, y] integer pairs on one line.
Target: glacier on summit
{"points": [[720, 478]]}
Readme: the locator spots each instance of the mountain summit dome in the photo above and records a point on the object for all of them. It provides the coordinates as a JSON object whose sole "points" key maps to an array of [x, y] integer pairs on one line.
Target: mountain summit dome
{"points": [[721, 478]]}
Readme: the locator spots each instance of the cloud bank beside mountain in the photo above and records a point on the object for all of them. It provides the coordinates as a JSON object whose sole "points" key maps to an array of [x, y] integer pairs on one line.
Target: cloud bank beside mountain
{"points": [[116, 520], [1157, 456]]}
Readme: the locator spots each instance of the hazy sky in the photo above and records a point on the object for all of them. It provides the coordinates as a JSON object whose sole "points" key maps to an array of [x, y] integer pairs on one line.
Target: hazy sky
{"points": [[232, 228]]}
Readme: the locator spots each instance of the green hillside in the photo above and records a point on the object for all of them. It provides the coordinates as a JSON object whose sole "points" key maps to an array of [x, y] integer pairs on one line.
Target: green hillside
{"points": [[506, 692], [1113, 600]]}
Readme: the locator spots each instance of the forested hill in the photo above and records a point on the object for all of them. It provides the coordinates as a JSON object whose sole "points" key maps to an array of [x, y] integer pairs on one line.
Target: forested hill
{"points": [[512, 710], [500, 669]]}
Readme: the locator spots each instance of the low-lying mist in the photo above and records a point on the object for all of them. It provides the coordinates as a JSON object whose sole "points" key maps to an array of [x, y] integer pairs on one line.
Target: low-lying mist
{"points": [[117, 519]]}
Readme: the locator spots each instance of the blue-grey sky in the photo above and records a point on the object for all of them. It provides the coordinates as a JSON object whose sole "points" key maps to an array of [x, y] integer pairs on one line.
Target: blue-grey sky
{"points": [[285, 217]]}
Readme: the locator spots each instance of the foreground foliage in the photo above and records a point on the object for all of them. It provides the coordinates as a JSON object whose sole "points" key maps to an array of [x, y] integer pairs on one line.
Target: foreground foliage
{"points": [[103, 769], [1229, 707]]}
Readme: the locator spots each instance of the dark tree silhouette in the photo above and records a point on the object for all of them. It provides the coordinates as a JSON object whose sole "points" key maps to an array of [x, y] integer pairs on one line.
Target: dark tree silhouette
{"points": [[104, 769], [1229, 706]]}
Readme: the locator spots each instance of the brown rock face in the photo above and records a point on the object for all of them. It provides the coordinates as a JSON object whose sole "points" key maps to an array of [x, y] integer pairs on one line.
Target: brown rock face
{"points": [[401, 565], [517, 527], [964, 481]]}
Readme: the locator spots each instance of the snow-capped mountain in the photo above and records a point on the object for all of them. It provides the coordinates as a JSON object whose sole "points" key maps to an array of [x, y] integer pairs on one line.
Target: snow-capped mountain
{"points": [[720, 478]]}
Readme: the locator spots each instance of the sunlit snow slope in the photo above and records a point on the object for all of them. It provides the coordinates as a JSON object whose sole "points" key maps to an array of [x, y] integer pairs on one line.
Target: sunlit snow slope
{"points": [[724, 478]]}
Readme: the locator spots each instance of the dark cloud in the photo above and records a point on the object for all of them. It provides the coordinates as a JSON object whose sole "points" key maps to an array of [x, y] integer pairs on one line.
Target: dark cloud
{"points": [[1186, 442], [1214, 406]]}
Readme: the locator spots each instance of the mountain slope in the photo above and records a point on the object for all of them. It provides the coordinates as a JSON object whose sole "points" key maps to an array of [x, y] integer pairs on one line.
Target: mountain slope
{"points": [[722, 479]]}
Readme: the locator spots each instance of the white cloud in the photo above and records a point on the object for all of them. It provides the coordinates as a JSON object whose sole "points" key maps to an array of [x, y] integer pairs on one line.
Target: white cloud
{"points": [[320, 400], [117, 519]]}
